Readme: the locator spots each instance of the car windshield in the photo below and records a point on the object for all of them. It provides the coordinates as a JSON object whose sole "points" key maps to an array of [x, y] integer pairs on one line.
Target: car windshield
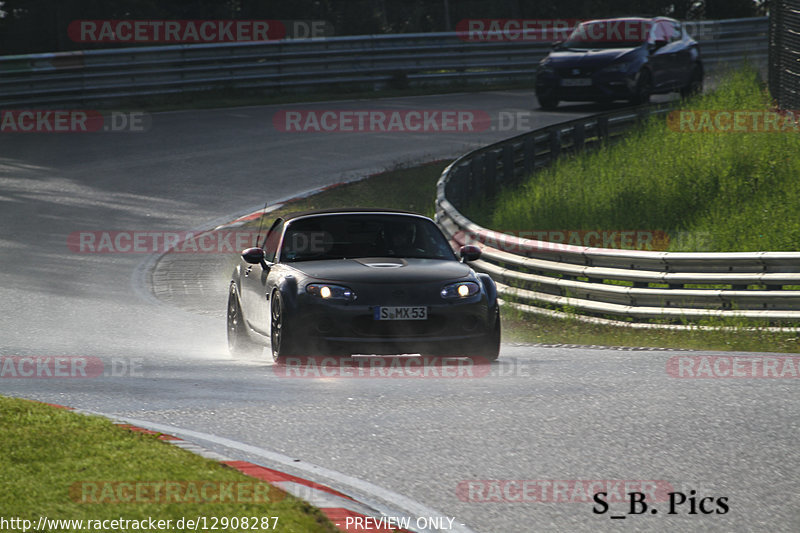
{"points": [[603, 34], [363, 235]]}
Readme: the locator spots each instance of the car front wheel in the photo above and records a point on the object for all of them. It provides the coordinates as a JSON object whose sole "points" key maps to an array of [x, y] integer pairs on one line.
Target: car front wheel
{"points": [[280, 334], [547, 103], [695, 85], [490, 347]]}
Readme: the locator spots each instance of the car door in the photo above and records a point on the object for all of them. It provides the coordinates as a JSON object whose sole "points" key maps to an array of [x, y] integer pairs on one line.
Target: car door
{"points": [[255, 287], [673, 54], [660, 57], [684, 58]]}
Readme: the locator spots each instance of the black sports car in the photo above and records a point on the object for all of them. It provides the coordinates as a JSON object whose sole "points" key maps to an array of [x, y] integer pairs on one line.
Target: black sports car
{"points": [[620, 59], [361, 281]]}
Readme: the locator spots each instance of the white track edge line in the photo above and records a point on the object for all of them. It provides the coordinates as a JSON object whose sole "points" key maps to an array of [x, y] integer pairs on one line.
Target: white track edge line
{"points": [[364, 488]]}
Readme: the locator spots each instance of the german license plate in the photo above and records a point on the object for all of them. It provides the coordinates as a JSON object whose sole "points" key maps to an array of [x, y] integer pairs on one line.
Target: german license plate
{"points": [[400, 313], [576, 82]]}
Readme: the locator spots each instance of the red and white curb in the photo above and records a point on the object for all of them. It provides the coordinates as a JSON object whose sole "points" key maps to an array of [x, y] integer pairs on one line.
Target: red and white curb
{"points": [[336, 506], [347, 513], [333, 504]]}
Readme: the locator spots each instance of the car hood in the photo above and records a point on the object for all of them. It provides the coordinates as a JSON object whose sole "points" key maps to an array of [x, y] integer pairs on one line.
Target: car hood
{"points": [[383, 270], [587, 58]]}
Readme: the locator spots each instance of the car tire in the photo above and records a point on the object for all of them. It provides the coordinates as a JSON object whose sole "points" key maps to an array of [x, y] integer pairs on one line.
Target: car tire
{"points": [[695, 85], [490, 347], [282, 342], [644, 88], [239, 342], [548, 103]]}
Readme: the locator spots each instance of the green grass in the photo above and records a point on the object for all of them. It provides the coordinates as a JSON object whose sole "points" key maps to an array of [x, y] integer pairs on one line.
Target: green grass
{"points": [[734, 191], [410, 189], [522, 327], [46, 452]]}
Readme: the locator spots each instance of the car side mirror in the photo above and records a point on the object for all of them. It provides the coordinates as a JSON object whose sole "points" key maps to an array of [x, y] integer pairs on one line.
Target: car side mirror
{"points": [[558, 45], [469, 252], [254, 256], [658, 44]]}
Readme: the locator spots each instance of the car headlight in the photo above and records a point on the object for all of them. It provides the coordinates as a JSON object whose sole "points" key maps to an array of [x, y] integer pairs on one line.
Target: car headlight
{"points": [[617, 67], [462, 289], [326, 291]]}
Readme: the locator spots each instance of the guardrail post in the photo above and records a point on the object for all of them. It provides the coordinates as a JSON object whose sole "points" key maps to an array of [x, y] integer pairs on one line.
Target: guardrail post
{"points": [[529, 155], [508, 163], [490, 175], [555, 143], [602, 128], [464, 191], [476, 178], [578, 136]]}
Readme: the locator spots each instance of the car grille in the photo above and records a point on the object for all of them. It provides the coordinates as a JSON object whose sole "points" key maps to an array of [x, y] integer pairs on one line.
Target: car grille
{"points": [[575, 72], [367, 326]]}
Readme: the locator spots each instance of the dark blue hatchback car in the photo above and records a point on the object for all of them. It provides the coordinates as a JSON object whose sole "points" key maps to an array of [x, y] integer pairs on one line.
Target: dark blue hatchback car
{"points": [[620, 59]]}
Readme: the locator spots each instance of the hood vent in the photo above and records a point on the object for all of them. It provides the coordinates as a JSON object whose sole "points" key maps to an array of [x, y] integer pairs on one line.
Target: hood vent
{"points": [[381, 262]]}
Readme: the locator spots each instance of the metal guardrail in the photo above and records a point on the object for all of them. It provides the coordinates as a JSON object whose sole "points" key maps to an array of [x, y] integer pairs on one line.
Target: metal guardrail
{"points": [[374, 61], [784, 55], [635, 285]]}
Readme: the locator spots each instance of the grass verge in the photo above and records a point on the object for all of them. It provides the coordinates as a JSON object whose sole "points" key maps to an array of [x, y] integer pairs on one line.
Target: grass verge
{"points": [[733, 191], [63, 465], [411, 189], [519, 327], [414, 189]]}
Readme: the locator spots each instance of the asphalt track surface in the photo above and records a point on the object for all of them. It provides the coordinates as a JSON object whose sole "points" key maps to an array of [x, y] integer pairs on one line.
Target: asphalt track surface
{"points": [[542, 414]]}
